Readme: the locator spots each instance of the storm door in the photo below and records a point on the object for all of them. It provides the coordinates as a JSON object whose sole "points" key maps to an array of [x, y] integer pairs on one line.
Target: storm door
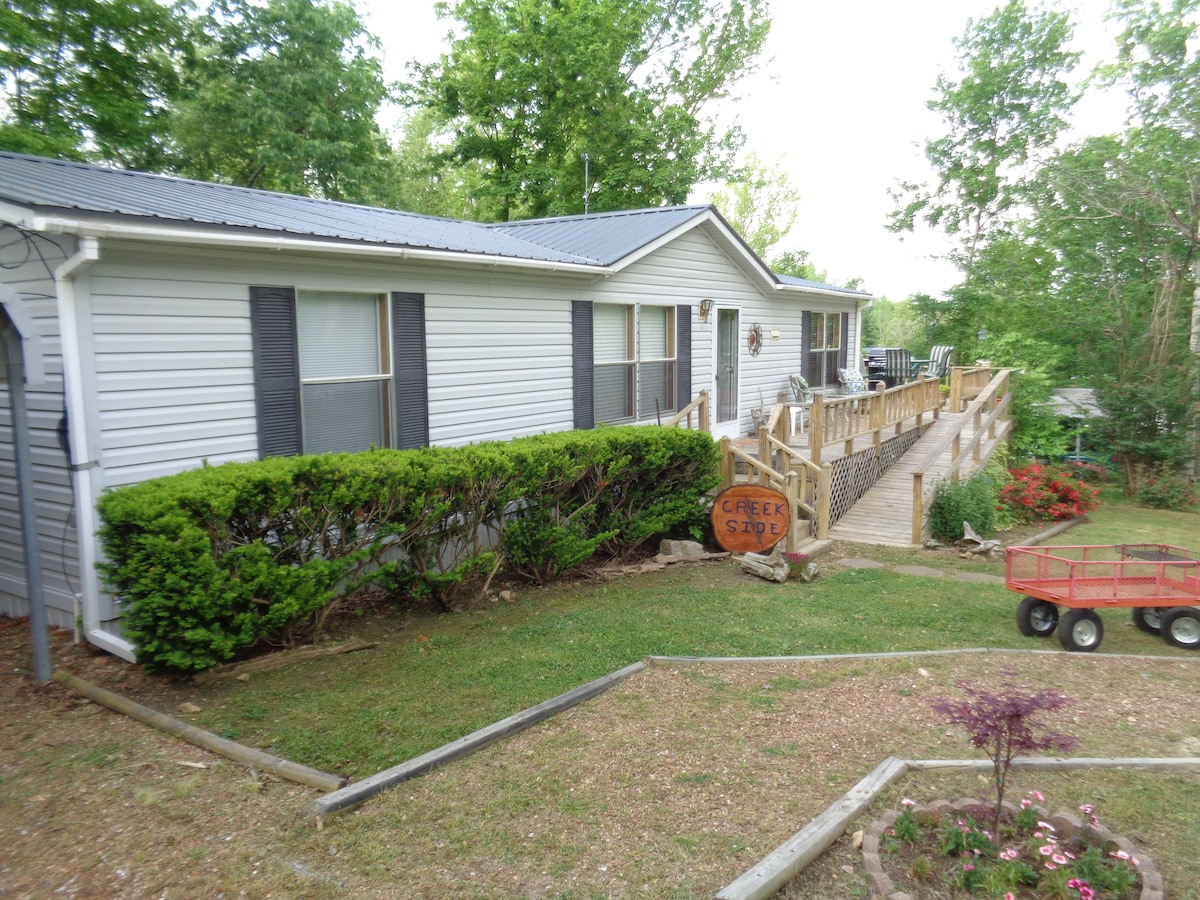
{"points": [[726, 419]]}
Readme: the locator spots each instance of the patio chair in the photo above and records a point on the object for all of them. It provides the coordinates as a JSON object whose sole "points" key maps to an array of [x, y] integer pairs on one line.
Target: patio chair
{"points": [[898, 368], [802, 401], [939, 361], [852, 381]]}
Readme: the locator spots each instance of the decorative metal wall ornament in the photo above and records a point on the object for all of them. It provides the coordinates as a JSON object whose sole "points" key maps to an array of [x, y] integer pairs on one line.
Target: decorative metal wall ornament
{"points": [[754, 339]]}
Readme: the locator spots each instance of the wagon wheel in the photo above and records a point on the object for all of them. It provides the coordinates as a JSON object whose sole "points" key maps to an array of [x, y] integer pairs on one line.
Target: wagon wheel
{"points": [[1037, 618], [1081, 630], [1149, 618], [1181, 627]]}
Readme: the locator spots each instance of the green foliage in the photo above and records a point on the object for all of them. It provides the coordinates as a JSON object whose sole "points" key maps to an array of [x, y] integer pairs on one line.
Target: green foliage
{"points": [[891, 324], [214, 562], [955, 502], [761, 205], [89, 80], [529, 88], [1166, 491], [1009, 102], [282, 96]]}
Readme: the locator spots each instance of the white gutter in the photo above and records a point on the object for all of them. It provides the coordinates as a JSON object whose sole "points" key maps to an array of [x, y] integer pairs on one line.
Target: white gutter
{"points": [[840, 295], [86, 229], [81, 461]]}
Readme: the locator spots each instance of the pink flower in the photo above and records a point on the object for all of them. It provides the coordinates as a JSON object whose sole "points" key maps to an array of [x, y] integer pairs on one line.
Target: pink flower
{"points": [[1046, 849], [1037, 795], [969, 867], [1010, 853], [1060, 859], [1026, 803], [1086, 809], [907, 802], [1009, 896]]}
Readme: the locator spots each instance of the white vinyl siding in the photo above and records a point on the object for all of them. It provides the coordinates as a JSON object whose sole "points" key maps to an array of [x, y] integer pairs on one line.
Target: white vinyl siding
{"points": [[168, 364], [27, 263]]}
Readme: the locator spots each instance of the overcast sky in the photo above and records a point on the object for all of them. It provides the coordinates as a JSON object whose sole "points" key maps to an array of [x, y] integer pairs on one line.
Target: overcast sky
{"points": [[840, 107]]}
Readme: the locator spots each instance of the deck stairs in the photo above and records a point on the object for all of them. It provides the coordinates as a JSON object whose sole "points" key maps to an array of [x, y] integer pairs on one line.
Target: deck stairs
{"points": [[884, 514]]}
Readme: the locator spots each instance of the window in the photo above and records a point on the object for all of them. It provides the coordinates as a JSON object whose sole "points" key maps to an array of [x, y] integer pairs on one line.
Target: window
{"points": [[345, 371], [338, 370], [634, 361], [823, 346]]}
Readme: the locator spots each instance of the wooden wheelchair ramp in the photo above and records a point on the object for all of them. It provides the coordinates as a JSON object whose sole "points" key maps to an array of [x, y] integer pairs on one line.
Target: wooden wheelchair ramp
{"points": [[884, 514]]}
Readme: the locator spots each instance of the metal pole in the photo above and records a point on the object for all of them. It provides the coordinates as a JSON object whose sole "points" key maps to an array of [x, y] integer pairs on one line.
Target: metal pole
{"points": [[587, 188], [14, 355]]}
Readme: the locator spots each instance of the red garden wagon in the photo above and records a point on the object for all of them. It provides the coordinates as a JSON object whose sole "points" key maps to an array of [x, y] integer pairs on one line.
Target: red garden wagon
{"points": [[1160, 583]]}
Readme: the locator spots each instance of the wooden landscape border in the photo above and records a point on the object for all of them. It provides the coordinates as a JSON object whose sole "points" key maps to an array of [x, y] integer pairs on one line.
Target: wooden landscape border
{"points": [[760, 882]]}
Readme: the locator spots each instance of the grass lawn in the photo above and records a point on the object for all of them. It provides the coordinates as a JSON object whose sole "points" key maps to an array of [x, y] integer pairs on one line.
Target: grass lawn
{"points": [[668, 786], [434, 678]]}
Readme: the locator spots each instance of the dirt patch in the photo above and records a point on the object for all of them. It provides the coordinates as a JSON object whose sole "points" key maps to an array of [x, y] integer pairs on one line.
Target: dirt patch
{"points": [[669, 785]]}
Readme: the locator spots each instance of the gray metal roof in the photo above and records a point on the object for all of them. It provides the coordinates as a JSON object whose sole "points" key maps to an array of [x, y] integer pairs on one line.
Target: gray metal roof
{"points": [[54, 187], [605, 237], [59, 187]]}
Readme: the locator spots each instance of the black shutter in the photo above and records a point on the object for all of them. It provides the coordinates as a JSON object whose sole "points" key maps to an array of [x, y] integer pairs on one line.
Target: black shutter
{"points": [[582, 359], [844, 353], [410, 370], [805, 341], [683, 356], [276, 370]]}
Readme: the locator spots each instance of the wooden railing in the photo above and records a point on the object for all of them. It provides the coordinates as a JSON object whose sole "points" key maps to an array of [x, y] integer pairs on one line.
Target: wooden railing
{"points": [[807, 487], [966, 384], [989, 418], [699, 406], [842, 419]]}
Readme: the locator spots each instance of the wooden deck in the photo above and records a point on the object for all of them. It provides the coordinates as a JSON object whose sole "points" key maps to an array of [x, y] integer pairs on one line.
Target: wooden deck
{"points": [[884, 514], [880, 457]]}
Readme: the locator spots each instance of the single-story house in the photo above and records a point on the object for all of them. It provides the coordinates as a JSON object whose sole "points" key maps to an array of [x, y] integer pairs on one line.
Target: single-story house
{"points": [[184, 322]]}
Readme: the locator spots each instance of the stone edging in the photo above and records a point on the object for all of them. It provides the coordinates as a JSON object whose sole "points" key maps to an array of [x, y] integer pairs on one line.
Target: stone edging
{"points": [[1067, 825]]}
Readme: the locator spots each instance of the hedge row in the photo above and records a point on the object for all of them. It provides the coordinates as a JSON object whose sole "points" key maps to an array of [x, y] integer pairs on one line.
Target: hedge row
{"points": [[213, 562]]}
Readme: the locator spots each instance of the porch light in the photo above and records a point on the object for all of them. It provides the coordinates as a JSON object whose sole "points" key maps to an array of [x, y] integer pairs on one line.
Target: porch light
{"points": [[706, 306]]}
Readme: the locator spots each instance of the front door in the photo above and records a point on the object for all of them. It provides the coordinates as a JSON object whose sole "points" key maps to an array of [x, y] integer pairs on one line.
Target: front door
{"points": [[725, 422]]}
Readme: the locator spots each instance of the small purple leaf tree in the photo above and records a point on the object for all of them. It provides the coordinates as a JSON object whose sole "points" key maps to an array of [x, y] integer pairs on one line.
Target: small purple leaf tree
{"points": [[1005, 725]]}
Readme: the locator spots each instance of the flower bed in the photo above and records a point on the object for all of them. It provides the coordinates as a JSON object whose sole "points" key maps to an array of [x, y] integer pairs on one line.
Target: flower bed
{"points": [[940, 850]]}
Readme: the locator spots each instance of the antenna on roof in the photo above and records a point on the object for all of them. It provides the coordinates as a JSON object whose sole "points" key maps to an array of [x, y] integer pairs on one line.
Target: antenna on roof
{"points": [[586, 186]]}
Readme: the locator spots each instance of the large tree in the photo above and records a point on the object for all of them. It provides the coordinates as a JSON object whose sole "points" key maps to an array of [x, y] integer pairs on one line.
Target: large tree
{"points": [[282, 95], [87, 79], [591, 104], [1004, 110]]}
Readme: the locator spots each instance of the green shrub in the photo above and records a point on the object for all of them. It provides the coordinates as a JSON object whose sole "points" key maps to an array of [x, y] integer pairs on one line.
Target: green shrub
{"points": [[1165, 491], [955, 502], [211, 563]]}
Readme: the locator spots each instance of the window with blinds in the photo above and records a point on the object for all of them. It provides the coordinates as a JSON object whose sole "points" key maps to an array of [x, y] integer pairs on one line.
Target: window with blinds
{"points": [[345, 371], [634, 360]]}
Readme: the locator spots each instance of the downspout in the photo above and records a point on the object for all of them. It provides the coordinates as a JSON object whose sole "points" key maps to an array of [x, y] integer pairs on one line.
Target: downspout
{"points": [[81, 462]]}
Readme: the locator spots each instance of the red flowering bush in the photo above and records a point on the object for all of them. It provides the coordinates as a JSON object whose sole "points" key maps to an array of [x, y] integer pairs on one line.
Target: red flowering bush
{"points": [[1039, 492]]}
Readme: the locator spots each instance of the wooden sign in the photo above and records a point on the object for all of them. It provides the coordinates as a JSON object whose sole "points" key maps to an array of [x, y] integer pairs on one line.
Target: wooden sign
{"points": [[748, 518]]}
